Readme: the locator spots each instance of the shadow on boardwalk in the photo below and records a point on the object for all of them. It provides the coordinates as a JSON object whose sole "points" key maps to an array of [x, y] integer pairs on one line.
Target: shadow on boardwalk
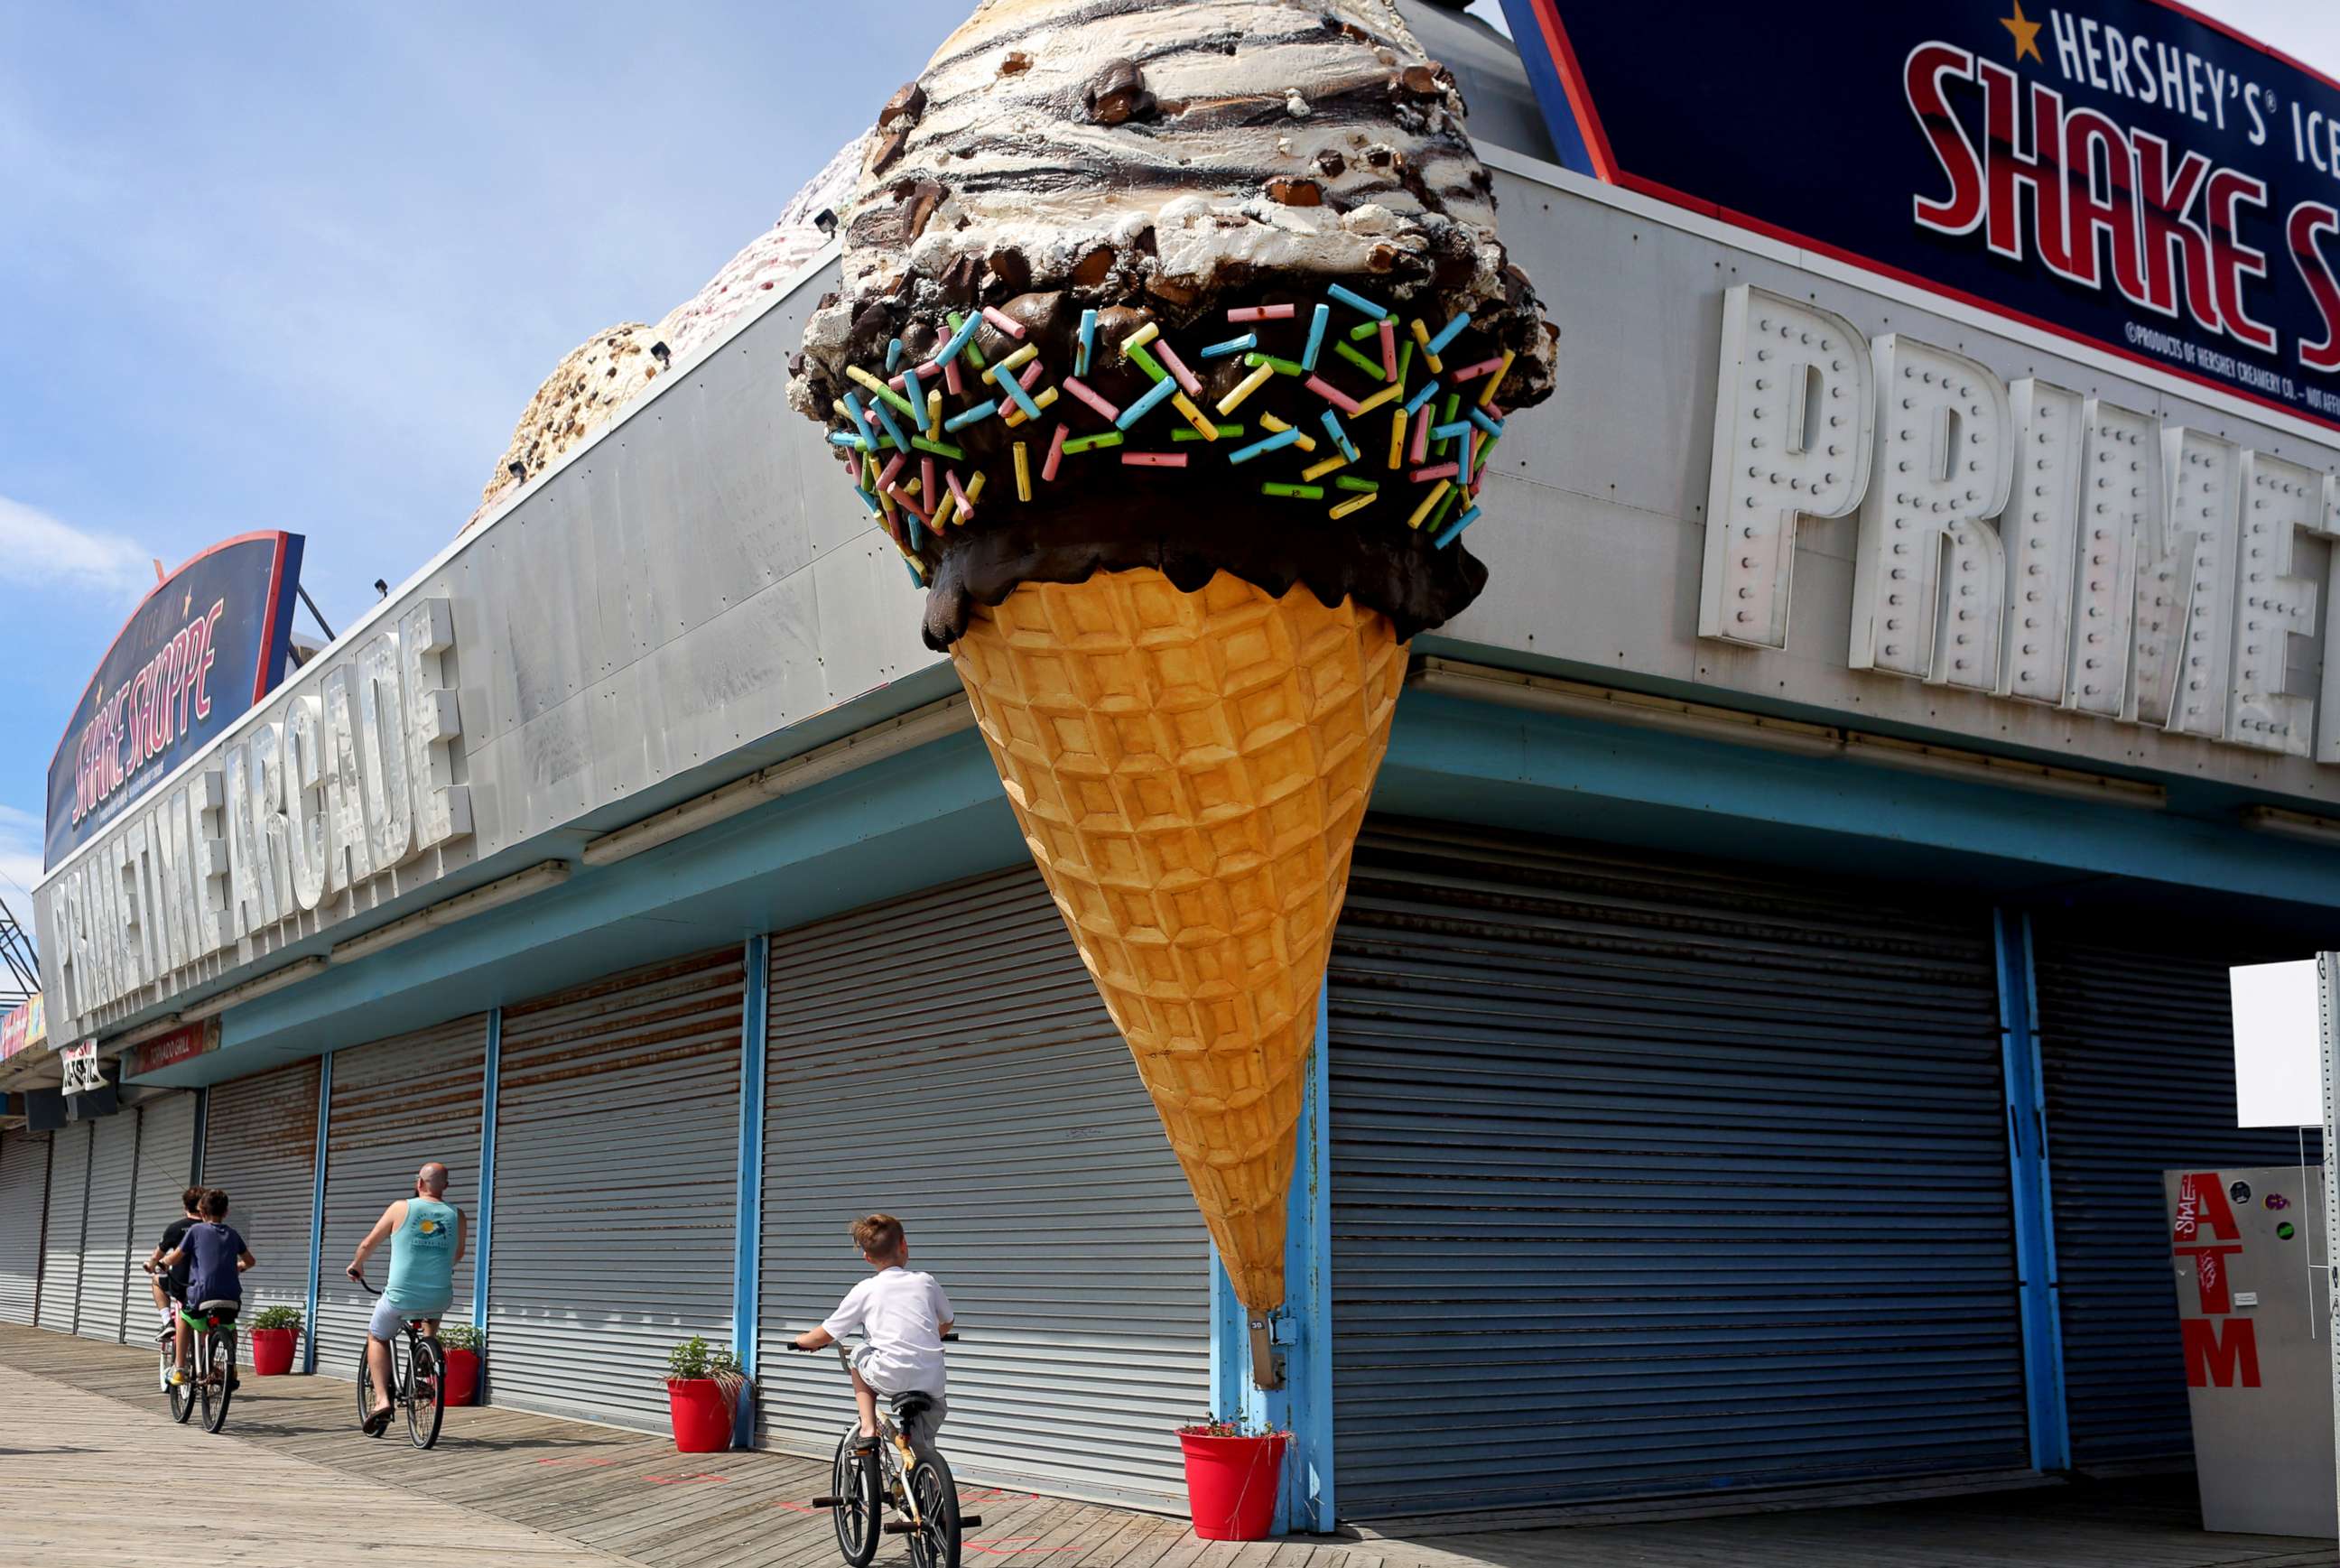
{"points": [[631, 1496]]}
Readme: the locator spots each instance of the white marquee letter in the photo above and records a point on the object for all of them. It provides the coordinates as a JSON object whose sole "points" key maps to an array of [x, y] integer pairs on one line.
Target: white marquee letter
{"points": [[1942, 466], [2280, 500]]}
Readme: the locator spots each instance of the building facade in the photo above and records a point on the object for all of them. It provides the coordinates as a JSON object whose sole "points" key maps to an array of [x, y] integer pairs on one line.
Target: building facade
{"points": [[1750, 1051]]}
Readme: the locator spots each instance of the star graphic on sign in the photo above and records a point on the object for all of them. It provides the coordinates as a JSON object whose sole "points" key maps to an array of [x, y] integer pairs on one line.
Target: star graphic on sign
{"points": [[2026, 31]]}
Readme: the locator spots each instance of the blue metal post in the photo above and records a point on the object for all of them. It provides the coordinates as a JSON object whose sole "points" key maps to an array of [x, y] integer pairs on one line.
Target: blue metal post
{"points": [[747, 1258], [484, 1226], [317, 1210], [2039, 1299], [1301, 1329], [202, 1134]]}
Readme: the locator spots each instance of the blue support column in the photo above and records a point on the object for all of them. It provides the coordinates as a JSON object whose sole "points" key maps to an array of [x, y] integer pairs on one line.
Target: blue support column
{"points": [[483, 1225], [1301, 1328], [317, 1210], [2038, 1301], [747, 1258], [202, 1134]]}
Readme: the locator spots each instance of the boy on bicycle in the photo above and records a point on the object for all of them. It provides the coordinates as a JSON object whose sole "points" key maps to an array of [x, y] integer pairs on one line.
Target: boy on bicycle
{"points": [[902, 1317], [170, 1285], [217, 1258]]}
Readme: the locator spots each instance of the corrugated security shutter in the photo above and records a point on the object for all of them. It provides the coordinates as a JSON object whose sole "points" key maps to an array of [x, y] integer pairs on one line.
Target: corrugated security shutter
{"points": [[167, 1158], [105, 1230], [945, 1059], [261, 1148], [61, 1230], [24, 1202], [617, 1188], [396, 1103], [1658, 1177], [2136, 1048]]}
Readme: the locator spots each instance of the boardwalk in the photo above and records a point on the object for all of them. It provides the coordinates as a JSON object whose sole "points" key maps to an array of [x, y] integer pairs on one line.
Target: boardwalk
{"points": [[80, 1424]]}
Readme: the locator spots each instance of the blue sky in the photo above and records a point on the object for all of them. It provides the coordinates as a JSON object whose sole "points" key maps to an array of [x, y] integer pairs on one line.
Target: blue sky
{"points": [[302, 267]]}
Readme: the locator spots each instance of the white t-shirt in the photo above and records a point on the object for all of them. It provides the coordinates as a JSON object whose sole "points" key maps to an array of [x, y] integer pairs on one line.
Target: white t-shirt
{"points": [[901, 1314]]}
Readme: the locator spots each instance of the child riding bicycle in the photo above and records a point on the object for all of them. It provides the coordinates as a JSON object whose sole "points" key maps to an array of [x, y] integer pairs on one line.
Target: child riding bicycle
{"points": [[902, 1316]]}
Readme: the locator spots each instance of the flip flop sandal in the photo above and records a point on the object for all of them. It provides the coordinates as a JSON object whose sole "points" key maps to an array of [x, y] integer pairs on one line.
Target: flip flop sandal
{"points": [[377, 1424]]}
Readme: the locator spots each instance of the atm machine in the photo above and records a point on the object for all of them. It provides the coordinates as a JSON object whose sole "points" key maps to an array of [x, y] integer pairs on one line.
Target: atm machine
{"points": [[2255, 1317]]}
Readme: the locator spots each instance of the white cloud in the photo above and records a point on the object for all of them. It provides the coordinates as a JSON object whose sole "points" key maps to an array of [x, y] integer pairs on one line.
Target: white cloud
{"points": [[39, 551], [20, 858]]}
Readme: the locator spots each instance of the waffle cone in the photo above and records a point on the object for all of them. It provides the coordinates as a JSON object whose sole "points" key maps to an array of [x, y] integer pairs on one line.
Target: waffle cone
{"points": [[1190, 772]]}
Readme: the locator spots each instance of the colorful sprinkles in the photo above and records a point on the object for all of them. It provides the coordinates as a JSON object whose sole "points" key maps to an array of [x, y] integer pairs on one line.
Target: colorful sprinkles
{"points": [[1438, 450]]}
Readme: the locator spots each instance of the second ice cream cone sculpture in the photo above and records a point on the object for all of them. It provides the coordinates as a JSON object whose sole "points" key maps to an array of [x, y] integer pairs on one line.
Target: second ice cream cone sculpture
{"points": [[1175, 386]]}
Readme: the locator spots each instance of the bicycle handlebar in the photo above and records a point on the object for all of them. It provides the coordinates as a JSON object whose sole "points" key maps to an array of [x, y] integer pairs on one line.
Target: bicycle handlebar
{"points": [[948, 1339]]}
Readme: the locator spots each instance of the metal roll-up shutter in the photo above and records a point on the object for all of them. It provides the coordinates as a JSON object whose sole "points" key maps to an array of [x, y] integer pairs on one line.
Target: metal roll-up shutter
{"points": [[105, 1229], [617, 1188], [24, 1202], [2137, 1052], [396, 1103], [945, 1059], [61, 1228], [166, 1159], [261, 1150], [1653, 1176]]}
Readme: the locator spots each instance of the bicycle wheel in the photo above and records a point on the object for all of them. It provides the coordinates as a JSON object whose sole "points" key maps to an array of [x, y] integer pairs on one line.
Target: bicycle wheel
{"points": [[426, 1392], [856, 1513], [182, 1396], [934, 1542], [219, 1364]]}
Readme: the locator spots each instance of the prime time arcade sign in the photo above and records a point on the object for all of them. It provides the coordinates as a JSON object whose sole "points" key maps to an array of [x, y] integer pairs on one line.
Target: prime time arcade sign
{"points": [[344, 774], [2122, 173]]}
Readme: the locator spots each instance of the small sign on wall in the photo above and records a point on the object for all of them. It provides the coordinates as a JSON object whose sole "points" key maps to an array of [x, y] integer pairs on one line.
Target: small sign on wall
{"points": [[84, 1075], [2277, 1081]]}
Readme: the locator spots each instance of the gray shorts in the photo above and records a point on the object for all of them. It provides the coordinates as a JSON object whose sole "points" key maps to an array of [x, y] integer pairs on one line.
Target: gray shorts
{"points": [[920, 1431], [389, 1322]]}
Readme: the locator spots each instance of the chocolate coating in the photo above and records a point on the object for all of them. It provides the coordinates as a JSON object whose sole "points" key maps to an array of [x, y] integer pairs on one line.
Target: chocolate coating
{"points": [[1163, 162]]}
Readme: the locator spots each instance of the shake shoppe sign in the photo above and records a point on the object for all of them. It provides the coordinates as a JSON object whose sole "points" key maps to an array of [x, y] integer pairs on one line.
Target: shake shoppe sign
{"points": [[2123, 173], [206, 644]]}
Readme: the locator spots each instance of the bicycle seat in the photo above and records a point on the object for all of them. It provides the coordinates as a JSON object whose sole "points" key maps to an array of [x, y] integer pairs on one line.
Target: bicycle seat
{"points": [[221, 1309], [910, 1406]]}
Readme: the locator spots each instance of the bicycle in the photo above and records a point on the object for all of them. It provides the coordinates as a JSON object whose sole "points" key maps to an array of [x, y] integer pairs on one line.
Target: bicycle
{"points": [[418, 1380], [211, 1380], [918, 1486]]}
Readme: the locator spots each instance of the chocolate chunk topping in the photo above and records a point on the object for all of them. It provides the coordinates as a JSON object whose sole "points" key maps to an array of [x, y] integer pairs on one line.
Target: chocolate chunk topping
{"points": [[908, 104], [1117, 93]]}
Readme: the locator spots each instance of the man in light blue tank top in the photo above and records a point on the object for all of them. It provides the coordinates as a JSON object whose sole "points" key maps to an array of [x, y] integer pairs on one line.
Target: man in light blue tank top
{"points": [[426, 1235]]}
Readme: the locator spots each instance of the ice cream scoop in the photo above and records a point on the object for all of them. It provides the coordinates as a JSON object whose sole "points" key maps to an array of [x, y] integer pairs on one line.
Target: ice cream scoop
{"points": [[1172, 345]]}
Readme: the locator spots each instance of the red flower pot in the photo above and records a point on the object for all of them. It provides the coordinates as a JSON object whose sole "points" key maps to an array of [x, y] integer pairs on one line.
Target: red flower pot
{"points": [[702, 1420], [272, 1350], [1231, 1485], [463, 1376]]}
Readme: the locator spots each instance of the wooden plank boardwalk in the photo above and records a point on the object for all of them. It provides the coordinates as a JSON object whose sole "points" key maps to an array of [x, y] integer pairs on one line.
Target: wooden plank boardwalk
{"points": [[83, 1437]]}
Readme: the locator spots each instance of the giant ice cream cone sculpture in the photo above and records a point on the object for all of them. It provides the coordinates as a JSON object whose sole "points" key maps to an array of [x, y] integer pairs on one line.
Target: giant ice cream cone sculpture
{"points": [[1175, 385]]}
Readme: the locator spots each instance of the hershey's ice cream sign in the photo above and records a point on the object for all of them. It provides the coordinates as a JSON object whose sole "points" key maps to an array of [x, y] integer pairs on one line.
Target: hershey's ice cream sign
{"points": [[344, 776], [2022, 540]]}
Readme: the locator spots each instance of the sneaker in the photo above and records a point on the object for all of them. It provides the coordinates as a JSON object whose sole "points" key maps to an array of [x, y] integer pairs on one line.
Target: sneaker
{"points": [[178, 1378]]}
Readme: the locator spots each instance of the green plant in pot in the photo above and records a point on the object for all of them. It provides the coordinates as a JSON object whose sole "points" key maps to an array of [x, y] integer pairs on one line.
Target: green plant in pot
{"points": [[702, 1383], [462, 1337], [273, 1319], [694, 1359]]}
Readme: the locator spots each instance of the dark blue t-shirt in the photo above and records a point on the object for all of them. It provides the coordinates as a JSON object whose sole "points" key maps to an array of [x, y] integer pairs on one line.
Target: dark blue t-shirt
{"points": [[213, 1250]]}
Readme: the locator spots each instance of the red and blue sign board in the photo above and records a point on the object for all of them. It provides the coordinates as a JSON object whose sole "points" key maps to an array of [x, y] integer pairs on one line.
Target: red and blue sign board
{"points": [[2129, 175], [209, 642]]}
